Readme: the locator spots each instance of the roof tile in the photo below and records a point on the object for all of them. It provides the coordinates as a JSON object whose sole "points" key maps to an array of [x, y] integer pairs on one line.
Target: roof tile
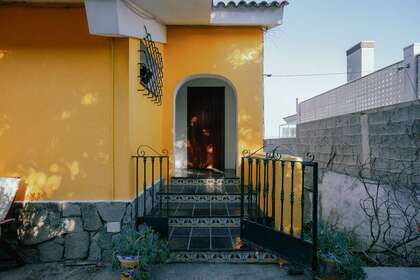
{"points": [[249, 3]]}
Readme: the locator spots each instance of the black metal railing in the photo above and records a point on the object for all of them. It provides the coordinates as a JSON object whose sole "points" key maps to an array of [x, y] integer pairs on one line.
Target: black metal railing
{"points": [[151, 69], [278, 189], [150, 165]]}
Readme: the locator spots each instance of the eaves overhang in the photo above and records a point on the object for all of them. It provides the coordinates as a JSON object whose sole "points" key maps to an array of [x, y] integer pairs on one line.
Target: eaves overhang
{"points": [[240, 12], [130, 18]]}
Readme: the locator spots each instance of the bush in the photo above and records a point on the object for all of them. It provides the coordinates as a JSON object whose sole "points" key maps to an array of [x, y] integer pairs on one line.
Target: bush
{"points": [[144, 244], [337, 245]]}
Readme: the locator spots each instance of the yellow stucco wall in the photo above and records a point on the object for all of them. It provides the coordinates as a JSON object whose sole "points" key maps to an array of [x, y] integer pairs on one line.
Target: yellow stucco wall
{"points": [[234, 53], [56, 104], [70, 113]]}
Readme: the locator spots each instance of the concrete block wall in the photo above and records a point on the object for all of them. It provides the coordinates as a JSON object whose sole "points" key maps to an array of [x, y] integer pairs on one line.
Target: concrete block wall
{"points": [[389, 135], [334, 142], [285, 145], [387, 139]]}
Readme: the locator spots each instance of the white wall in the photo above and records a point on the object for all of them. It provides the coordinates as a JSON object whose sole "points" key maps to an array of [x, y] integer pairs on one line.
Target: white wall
{"points": [[180, 144]]}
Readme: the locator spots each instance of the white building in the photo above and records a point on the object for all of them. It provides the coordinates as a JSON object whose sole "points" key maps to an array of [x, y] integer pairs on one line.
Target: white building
{"points": [[366, 88]]}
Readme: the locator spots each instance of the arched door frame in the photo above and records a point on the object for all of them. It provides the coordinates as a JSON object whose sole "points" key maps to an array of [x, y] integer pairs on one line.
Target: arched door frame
{"points": [[180, 163]]}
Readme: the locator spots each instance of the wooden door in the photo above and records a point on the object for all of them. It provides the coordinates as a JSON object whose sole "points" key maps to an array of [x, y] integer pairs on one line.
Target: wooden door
{"points": [[206, 127]]}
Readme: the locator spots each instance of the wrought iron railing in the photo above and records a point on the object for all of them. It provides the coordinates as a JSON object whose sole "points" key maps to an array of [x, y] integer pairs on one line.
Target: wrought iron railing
{"points": [[150, 165], [151, 69], [278, 189]]}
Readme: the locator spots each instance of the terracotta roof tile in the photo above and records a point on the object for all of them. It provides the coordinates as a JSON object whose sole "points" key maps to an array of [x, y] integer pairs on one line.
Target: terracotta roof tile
{"points": [[249, 3]]}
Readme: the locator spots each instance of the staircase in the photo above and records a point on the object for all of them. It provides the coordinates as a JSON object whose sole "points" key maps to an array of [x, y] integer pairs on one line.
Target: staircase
{"points": [[217, 217], [203, 213]]}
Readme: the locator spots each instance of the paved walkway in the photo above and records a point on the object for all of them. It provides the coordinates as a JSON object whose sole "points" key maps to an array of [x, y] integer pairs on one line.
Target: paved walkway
{"points": [[392, 273], [164, 272], [222, 272]]}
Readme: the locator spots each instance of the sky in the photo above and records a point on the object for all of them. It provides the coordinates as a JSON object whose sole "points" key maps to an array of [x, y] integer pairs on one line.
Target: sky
{"points": [[314, 37]]}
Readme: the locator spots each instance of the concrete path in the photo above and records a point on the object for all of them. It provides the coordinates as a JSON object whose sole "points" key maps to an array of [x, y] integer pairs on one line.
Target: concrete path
{"points": [[222, 272], [163, 272], [392, 273]]}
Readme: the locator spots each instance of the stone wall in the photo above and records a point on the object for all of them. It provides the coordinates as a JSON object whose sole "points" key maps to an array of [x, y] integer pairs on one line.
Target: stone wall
{"points": [[285, 145], [72, 231]]}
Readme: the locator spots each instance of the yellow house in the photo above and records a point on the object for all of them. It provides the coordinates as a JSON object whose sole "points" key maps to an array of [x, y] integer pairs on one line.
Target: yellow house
{"points": [[86, 85]]}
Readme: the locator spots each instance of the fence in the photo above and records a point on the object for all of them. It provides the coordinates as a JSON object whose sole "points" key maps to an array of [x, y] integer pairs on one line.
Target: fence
{"points": [[387, 86], [277, 196]]}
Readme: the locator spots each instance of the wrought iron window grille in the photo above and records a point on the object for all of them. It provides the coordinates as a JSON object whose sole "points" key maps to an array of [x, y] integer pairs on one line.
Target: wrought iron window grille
{"points": [[151, 69]]}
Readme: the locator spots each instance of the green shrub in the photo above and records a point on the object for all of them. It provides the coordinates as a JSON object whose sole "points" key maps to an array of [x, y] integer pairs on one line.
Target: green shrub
{"points": [[337, 245], [145, 244]]}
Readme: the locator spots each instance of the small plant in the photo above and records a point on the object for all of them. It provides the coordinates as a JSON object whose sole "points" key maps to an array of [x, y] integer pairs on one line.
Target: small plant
{"points": [[336, 253], [143, 245]]}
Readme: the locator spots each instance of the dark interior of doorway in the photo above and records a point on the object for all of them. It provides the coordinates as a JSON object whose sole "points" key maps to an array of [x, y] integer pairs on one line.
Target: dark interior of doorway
{"points": [[206, 128]]}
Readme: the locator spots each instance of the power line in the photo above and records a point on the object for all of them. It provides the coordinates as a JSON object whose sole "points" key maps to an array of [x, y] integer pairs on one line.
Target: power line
{"points": [[307, 75]]}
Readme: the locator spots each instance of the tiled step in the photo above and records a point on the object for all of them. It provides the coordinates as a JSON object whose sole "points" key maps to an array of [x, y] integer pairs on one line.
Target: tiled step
{"points": [[194, 193], [199, 209], [204, 221], [216, 181], [203, 213], [239, 257], [214, 245], [201, 189], [200, 198]]}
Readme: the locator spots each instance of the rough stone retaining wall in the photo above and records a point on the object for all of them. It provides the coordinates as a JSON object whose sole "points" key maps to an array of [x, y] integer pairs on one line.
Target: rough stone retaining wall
{"points": [[72, 231]]}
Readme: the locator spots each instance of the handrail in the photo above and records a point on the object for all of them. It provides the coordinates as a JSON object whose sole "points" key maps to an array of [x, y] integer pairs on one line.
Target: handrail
{"points": [[146, 156], [247, 153], [141, 153]]}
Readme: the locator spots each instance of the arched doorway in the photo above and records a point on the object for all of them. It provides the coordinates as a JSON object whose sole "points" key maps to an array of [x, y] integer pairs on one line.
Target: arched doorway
{"points": [[205, 124]]}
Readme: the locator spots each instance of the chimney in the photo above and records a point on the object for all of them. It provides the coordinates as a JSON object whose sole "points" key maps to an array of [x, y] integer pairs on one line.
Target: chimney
{"points": [[360, 60]]}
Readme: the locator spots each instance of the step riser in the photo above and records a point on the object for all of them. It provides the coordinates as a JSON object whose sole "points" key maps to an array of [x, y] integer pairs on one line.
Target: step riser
{"points": [[206, 181], [205, 222], [196, 198], [223, 257]]}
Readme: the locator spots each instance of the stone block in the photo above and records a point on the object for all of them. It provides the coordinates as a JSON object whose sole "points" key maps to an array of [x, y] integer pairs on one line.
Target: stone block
{"points": [[94, 252], [91, 219], [72, 224], [76, 245], [71, 209], [39, 222], [111, 211], [107, 256], [51, 251], [103, 239], [113, 227]]}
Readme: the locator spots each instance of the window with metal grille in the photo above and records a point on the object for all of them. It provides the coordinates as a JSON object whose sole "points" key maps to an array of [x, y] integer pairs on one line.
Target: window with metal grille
{"points": [[151, 69]]}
